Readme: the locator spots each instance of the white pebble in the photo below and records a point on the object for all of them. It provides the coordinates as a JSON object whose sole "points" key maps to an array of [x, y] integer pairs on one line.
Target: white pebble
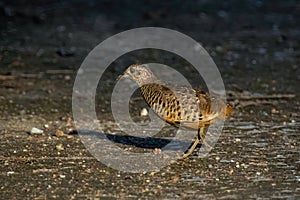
{"points": [[144, 112], [36, 131]]}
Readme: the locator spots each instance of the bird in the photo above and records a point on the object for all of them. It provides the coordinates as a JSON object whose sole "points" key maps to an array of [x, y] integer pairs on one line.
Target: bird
{"points": [[182, 106]]}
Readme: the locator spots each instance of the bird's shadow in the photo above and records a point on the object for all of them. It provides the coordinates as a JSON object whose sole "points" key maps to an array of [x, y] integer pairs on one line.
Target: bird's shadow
{"points": [[139, 142]]}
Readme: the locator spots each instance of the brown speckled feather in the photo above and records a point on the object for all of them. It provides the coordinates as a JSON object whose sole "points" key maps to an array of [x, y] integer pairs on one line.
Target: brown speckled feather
{"points": [[189, 107], [179, 105]]}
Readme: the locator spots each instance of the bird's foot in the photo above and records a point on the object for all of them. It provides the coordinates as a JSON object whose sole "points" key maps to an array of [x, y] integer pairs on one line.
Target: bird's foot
{"points": [[203, 142], [202, 138], [191, 148]]}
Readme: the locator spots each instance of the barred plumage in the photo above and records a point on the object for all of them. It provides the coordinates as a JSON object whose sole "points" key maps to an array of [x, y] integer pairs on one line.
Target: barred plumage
{"points": [[178, 105]]}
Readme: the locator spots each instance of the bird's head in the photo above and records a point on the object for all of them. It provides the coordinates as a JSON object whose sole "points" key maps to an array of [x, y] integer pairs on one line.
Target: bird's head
{"points": [[141, 74]]}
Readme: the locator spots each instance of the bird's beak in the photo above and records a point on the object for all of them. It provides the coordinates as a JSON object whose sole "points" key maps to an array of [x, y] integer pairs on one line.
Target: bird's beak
{"points": [[123, 76], [120, 77]]}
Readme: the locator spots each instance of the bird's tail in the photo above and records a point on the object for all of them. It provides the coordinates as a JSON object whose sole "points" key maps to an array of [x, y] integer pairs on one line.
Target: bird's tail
{"points": [[228, 110]]}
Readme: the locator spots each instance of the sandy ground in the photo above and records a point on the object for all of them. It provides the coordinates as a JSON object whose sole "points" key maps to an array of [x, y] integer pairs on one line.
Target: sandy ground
{"points": [[256, 46]]}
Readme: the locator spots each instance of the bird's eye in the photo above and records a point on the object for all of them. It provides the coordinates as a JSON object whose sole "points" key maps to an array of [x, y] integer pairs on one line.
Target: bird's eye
{"points": [[132, 70]]}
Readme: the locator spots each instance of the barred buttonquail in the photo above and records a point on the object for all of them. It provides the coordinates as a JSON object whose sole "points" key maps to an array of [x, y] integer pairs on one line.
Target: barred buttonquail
{"points": [[178, 105]]}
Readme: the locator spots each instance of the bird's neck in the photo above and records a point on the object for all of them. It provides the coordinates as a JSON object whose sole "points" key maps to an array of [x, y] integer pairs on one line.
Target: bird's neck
{"points": [[147, 81]]}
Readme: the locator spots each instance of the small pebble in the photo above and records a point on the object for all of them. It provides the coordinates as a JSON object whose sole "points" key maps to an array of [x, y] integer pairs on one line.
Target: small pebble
{"points": [[59, 133], [46, 126], [60, 147], [22, 112], [69, 130], [175, 179], [62, 176], [156, 151], [274, 111], [36, 131], [67, 77], [70, 137], [144, 112], [69, 122], [244, 165], [219, 49], [262, 50]]}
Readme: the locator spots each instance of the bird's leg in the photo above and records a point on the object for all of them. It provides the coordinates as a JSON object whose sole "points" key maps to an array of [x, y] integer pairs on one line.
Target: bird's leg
{"points": [[201, 135], [193, 146]]}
